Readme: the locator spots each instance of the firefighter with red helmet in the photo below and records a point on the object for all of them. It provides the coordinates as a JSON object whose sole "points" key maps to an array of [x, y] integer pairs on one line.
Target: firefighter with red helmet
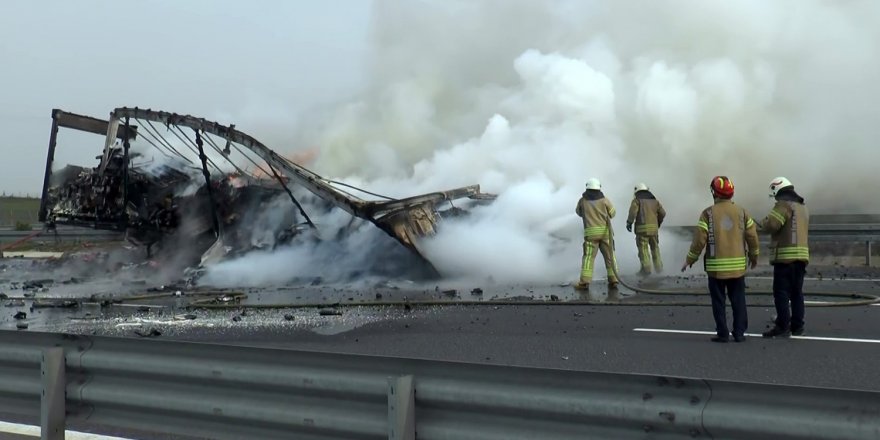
{"points": [[729, 235]]}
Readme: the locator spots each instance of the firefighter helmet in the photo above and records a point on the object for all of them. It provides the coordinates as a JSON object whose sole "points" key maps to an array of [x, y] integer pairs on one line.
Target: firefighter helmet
{"points": [[722, 187], [778, 184], [641, 187], [593, 183]]}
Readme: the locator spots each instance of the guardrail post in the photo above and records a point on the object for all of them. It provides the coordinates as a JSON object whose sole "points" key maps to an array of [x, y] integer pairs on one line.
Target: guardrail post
{"points": [[401, 408], [52, 409], [868, 253]]}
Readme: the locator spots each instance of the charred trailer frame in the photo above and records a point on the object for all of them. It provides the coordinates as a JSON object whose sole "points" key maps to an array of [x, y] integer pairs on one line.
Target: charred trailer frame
{"points": [[407, 220], [88, 124]]}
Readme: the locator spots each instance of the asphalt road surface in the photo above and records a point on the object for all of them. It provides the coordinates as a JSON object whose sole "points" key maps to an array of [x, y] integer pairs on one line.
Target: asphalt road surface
{"points": [[841, 348], [593, 338], [607, 338]]}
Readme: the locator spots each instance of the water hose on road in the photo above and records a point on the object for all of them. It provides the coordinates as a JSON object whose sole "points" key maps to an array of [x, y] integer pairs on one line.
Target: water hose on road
{"points": [[226, 300], [20, 241], [852, 299], [232, 300], [856, 299]]}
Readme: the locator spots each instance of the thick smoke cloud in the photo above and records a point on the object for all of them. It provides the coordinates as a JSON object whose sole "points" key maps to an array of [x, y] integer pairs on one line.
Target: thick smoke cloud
{"points": [[530, 99]]}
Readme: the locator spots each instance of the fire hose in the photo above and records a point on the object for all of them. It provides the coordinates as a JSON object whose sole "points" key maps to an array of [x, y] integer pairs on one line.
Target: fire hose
{"points": [[855, 299], [19, 242], [851, 299], [224, 299], [220, 300]]}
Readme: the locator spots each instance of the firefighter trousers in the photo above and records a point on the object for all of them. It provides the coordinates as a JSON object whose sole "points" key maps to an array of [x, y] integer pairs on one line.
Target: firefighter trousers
{"points": [[734, 289], [649, 253], [591, 248], [788, 288]]}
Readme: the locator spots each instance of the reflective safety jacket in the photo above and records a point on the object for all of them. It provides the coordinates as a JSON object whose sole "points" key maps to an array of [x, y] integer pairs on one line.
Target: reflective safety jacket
{"points": [[730, 238], [788, 224], [647, 213], [596, 212]]}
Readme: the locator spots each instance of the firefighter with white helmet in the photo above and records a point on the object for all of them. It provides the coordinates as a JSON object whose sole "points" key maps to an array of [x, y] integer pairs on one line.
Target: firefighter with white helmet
{"points": [[787, 223], [647, 214], [596, 211]]}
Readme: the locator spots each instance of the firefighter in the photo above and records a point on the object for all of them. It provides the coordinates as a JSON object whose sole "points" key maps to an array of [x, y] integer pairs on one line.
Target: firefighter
{"points": [[596, 212], [647, 214], [729, 235], [787, 224]]}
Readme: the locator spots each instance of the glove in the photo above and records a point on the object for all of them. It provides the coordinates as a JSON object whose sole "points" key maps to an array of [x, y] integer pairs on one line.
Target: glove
{"points": [[629, 227], [753, 262]]}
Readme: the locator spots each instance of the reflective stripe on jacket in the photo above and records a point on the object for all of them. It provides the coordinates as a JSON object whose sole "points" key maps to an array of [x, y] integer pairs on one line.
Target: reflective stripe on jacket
{"points": [[647, 214], [596, 215], [788, 224], [729, 235]]}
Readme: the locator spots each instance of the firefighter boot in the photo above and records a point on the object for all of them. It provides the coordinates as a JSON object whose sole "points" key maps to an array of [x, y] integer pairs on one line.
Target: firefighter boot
{"points": [[777, 332]]}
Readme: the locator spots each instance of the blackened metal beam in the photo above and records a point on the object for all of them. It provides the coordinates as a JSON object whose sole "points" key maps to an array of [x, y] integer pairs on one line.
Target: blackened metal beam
{"points": [[126, 159], [292, 198], [47, 177], [215, 217], [90, 124], [311, 181]]}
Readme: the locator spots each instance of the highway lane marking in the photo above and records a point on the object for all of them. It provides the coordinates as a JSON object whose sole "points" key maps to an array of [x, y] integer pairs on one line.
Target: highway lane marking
{"points": [[34, 431], [855, 280], [823, 303], [757, 335]]}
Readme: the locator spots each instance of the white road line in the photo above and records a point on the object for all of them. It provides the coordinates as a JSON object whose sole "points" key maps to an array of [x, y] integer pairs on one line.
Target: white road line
{"points": [[810, 338], [34, 431], [854, 280]]}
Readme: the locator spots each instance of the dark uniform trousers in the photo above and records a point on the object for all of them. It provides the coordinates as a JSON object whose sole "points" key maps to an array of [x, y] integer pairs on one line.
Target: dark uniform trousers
{"points": [[735, 289], [788, 287]]}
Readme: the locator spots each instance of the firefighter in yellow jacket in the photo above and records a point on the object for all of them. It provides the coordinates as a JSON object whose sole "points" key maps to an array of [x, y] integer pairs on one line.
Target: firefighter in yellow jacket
{"points": [[647, 214], [596, 212], [787, 224], [729, 235]]}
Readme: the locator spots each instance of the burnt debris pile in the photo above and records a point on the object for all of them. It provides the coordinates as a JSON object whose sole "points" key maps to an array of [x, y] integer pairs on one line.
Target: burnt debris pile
{"points": [[198, 192]]}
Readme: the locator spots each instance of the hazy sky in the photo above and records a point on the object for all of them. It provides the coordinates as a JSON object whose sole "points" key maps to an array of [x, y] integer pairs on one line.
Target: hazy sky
{"points": [[254, 63]]}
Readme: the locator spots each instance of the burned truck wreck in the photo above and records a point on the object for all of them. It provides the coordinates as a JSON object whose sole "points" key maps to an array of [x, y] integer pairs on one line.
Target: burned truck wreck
{"points": [[201, 192]]}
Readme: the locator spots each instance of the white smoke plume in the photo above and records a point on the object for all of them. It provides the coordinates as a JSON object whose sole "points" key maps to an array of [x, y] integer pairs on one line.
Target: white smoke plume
{"points": [[530, 99]]}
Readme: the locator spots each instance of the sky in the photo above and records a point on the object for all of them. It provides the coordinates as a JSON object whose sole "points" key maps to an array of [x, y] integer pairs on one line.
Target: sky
{"points": [[257, 64], [381, 92], [527, 98]]}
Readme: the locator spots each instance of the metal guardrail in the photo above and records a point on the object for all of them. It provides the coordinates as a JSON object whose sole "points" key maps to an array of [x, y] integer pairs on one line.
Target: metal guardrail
{"points": [[826, 232], [866, 234], [230, 392], [842, 219], [65, 234]]}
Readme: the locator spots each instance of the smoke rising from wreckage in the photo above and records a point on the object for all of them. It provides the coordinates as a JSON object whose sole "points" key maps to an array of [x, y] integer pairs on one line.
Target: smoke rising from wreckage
{"points": [[196, 192]]}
